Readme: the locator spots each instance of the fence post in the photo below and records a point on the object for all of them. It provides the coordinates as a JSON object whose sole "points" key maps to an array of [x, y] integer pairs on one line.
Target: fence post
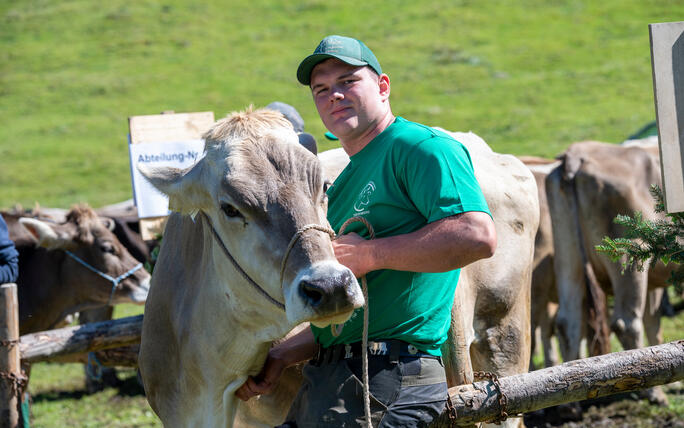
{"points": [[10, 367]]}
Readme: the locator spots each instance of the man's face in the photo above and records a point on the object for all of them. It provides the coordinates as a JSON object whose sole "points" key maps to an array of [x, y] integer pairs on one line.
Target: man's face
{"points": [[350, 99]]}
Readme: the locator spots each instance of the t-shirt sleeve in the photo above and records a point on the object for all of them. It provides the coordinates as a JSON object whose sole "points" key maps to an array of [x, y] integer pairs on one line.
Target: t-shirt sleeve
{"points": [[439, 179]]}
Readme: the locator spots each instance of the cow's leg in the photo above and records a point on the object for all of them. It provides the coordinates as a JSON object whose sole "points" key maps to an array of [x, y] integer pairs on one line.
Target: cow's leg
{"points": [[502, 343], [568, 266], [654, 334], [106, 376], [629, 291], [542, 318], [546, 325], [652, 315]]}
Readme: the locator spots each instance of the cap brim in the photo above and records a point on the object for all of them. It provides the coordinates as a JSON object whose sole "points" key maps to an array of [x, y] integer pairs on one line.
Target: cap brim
{"points": [[307, 65], [331, 136]]}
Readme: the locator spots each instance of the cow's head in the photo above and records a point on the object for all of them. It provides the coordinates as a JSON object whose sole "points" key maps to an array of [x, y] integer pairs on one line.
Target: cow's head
{"points": [[258, 187], [88, 238]]}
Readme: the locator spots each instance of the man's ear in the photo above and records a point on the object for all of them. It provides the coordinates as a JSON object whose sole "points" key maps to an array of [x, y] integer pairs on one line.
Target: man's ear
{"points": [[384, 84]]}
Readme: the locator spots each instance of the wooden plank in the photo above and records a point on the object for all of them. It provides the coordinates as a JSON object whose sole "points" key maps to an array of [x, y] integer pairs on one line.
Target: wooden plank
{"points": [[169, 127], [160, 128], [10, 370], [573, 381], [667, 61], [49, 345]]}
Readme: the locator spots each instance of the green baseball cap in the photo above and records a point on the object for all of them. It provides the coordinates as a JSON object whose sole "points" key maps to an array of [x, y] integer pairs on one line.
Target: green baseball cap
{"points": [[346, 49]]}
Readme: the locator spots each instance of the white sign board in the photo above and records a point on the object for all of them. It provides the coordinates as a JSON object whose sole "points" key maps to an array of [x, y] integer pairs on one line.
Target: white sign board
{"points": [[667, 59], [177, 154]]}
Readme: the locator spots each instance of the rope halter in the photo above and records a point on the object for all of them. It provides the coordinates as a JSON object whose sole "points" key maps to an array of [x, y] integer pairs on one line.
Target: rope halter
{"points": [[246, 276], [115, 281]]}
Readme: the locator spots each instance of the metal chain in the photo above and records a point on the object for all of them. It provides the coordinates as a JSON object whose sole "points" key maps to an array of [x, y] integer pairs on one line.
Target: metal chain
{"points": [[17, 381], [503, 400], [451, 411], [9, 343]]}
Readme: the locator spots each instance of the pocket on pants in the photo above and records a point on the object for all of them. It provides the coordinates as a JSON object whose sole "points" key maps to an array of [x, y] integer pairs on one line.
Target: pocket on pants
{"points": [[333, 396], [349, 409]]}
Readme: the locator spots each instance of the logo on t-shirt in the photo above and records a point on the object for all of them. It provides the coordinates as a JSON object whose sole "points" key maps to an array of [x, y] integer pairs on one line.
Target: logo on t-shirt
{"points": [[362, 201]]}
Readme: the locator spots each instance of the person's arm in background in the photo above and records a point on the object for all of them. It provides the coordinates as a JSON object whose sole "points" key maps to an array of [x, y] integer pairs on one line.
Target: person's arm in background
{"points": [[9, 257]]}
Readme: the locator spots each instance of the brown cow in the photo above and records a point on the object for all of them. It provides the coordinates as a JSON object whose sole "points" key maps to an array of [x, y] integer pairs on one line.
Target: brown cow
{"points": [[594, 183], [68, 267]]}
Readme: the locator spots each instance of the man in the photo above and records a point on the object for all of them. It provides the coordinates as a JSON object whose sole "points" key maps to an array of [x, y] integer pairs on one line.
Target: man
{"points": [[9, 257], [416, 187]]}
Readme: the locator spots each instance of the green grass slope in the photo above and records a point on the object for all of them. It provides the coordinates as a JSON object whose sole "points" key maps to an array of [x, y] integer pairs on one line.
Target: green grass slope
{"points": [[529, 76]]}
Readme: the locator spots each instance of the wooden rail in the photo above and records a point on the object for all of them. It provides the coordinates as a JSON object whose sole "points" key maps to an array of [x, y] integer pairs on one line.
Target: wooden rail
{"points": [[573, 381]]}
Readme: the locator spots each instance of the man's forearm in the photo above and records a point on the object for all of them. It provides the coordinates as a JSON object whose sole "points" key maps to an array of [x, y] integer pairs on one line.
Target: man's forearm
{"points": [[443, 245], [295, 349]]}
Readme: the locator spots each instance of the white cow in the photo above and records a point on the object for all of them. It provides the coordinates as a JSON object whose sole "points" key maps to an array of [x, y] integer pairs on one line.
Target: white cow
{"points": [[219, 296]]}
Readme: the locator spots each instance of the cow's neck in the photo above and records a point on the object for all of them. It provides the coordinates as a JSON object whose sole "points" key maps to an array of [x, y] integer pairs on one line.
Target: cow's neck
{"points": [[45, 300]]}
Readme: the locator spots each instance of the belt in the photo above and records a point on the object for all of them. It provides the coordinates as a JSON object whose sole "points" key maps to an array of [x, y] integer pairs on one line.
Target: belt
{"points": [[394, 349]]}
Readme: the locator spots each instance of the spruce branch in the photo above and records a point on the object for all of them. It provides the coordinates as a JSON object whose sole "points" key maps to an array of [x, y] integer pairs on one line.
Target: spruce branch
{"points": [[649, 241]]}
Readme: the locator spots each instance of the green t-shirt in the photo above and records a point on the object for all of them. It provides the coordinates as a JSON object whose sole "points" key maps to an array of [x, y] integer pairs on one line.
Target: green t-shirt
{"points": [[406, 177]]}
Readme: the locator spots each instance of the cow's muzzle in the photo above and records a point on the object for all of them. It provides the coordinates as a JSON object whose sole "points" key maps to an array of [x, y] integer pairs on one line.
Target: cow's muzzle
{"points": [[329, 295]]}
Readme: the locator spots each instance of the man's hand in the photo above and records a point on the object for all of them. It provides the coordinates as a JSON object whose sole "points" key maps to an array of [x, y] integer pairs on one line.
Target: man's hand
{"points": [[292, 350], [264, 382], [351, 251]]}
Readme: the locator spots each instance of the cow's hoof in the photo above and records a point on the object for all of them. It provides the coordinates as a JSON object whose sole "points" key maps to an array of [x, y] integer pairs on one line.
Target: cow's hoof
{"points": [[655, 396], [108, 379], [569, 412]]}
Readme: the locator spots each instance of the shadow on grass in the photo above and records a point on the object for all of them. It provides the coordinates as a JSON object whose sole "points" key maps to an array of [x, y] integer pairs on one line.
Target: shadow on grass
{"points": [[126, 387]]}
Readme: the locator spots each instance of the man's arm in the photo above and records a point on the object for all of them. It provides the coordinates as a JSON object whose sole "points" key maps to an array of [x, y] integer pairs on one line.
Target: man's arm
{"points": [[446, 244], [293, 350], [9, 258]]}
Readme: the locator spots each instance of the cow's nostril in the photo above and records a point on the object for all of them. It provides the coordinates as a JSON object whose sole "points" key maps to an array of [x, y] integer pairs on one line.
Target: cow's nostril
{"points": [[312, 293]]}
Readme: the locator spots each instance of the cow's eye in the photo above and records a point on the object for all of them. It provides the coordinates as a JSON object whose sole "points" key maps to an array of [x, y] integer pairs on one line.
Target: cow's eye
{"points": [[230, 210], [107, 247], [326, 185]]}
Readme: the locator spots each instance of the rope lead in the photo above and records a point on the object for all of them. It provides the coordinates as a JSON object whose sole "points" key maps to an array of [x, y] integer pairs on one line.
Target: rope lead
{"points": [[364, 342]]}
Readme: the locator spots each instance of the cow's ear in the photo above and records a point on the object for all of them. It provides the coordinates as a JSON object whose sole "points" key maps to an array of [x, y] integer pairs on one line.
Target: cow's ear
{"points": [[48, 236], [184, 187]]}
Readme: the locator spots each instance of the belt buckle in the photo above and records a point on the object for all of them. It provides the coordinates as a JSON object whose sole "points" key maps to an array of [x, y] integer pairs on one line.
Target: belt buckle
{"points": [[348, 352], [377, 348]]}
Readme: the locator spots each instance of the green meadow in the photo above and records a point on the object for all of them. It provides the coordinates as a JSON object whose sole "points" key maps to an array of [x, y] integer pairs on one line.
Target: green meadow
{"points": [[529, 76]]}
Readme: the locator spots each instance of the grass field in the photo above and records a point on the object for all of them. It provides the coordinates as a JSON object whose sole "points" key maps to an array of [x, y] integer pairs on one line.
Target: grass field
{"points": [[530, 77]]}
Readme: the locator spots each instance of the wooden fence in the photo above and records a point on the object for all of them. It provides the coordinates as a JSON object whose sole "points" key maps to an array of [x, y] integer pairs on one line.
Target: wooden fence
{"points": [[481, 401]]}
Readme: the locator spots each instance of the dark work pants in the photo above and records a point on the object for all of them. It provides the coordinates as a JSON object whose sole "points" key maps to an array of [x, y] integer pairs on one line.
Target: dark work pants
{"points": [[408, 393]]}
